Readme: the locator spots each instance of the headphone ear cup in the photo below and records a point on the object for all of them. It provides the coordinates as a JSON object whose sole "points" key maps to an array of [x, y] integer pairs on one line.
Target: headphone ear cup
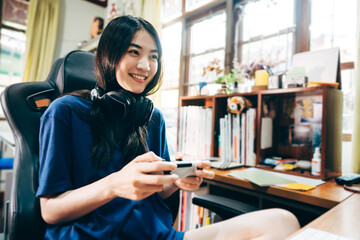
{"points": [[149, 110], [120, 105], [143, 111]]}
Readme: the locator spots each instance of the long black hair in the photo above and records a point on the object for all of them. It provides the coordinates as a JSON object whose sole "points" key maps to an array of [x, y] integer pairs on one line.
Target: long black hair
{"points": [[113, 44]]}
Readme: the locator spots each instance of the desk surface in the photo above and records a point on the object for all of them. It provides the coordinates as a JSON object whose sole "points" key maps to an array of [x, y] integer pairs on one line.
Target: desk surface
{"points": [[343, 220], [327, 195]]}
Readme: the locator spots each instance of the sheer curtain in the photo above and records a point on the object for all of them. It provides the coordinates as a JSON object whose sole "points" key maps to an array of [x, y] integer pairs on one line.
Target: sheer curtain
{"points": [[355, 163], [41, 33]]}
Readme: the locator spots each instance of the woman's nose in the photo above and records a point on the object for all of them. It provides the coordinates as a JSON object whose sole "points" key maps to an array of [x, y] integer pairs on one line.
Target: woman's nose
{"points": [[144, 64]]}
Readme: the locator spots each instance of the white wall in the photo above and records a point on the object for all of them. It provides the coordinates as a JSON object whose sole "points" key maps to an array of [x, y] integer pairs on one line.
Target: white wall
{"points": [[74, 24]]}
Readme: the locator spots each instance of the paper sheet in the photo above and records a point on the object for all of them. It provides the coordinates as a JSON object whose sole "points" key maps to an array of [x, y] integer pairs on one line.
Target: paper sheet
{"points": [[260, 177], [315, 234], [267, 178], [299, 179]]}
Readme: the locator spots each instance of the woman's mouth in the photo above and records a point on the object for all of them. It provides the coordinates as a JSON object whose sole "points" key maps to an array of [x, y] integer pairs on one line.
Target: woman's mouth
{"points": [[137, 77]]}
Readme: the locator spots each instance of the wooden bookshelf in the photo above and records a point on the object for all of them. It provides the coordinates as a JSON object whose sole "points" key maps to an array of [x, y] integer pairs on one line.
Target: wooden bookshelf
{"points": [[281, 104]]}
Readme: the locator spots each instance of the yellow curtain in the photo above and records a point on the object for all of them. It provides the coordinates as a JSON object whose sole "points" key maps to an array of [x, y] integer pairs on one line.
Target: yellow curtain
{"points": [[150, 10], [41, 33], [355, 163]]}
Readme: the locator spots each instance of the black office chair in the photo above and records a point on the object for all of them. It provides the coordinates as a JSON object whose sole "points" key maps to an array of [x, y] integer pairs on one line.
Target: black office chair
{"points": [[224, 207], [23, 105]]}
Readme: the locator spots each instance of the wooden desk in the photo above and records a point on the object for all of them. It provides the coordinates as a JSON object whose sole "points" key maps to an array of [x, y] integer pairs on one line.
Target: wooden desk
{"points": [[313, 202], [326, 195], [343, 220]]}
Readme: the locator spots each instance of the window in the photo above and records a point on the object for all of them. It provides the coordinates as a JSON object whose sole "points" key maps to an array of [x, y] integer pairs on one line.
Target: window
{"points": [[12, 41]]}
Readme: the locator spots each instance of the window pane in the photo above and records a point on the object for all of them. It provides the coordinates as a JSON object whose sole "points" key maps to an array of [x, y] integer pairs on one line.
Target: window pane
{"points": [[278, 14], [275, 52], [171, 9], [192, 4], [197, 63], [208, 33], [11, 57], [171, 42], [269, 42], [333, 24], [169, 104], [207, 43]]}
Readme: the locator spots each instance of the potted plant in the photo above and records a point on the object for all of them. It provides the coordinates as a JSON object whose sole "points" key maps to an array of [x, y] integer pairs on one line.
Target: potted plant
{"points": [[228, 81]]}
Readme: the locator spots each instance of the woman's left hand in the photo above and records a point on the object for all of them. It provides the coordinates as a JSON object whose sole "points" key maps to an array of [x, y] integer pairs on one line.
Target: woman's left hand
{"points": [[193, 183]]}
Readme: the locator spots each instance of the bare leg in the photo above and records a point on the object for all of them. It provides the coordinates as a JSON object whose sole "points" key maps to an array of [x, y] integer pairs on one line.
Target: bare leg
{"points": [[270, 224]]}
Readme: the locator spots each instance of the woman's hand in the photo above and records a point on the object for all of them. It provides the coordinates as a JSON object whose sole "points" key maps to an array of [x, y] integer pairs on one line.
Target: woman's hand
{"points": [[142, 177], [193, 183]]}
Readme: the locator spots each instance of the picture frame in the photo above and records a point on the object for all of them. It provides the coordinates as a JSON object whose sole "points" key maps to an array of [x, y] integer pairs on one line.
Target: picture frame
{"points": [[102, 3], [320, 66]]}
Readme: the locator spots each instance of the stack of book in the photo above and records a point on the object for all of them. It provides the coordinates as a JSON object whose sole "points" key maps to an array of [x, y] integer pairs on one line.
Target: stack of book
{"points": [[195, 131], [237, 138], [192, 216]]}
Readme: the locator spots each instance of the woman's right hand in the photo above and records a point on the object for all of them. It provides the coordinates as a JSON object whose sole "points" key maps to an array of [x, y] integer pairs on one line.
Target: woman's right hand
{"points": [[142, 177]]}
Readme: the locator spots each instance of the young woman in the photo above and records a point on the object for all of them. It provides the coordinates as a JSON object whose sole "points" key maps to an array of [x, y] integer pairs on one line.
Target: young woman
{"points": [[102, 152]]}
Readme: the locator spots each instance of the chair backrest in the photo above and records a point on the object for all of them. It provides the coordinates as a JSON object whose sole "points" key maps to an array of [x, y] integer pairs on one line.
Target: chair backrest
{"points": [[23, 105]]}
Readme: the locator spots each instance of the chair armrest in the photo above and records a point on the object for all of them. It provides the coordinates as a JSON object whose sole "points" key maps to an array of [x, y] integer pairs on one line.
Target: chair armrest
{"points": [[225, 207]]}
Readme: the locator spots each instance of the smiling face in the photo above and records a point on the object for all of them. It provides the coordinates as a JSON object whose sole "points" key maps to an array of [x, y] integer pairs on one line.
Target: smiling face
{"points": [[139, 64]]}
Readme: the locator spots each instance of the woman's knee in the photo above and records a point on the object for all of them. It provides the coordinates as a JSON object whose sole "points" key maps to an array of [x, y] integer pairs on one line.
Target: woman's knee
{"points": [[285, 218]]}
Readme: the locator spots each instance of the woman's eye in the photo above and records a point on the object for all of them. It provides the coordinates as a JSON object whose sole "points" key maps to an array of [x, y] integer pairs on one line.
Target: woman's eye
{"points": [[134, 52], [154, 57]]}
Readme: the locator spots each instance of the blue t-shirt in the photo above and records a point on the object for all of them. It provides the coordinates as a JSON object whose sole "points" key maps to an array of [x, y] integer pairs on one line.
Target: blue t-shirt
{"points": [[65, 164]]}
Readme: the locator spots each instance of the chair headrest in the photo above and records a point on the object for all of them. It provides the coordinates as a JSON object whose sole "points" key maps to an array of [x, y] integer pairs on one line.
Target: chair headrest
{"points": [[77, 72]]}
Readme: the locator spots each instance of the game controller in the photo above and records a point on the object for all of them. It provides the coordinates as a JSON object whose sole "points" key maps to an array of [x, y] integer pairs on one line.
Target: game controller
{"points": [[185, 169]]}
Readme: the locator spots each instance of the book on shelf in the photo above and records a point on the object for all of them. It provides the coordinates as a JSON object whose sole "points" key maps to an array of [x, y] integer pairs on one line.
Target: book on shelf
{"points": [[195, 131], [237, 137], [191, 216]]}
